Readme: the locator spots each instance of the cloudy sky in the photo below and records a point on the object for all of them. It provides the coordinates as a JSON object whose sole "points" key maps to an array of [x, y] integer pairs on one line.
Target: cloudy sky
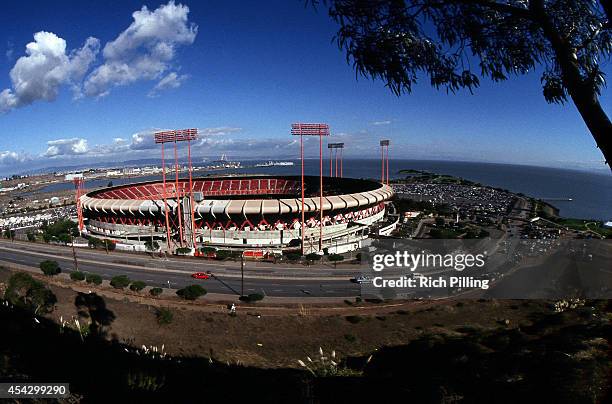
{"points": [[91, 81]]}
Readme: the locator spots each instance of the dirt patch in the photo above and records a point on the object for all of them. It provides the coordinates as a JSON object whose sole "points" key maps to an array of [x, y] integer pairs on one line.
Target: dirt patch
{"points": [[278, 336]]}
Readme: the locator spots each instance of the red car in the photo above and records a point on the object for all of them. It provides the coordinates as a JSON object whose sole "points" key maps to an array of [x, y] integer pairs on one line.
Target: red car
{"points": [[200, 275]]}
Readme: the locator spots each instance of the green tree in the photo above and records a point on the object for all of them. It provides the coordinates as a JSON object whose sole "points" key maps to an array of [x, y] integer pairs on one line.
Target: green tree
{"points": [[335, 258], [164, 316], [156, 291], [93, 278], [120, 281], [77, 276], [454, 42], [312, 257], [109, 245], [137, 286], [191, 292], [151, 245], [24, 291], [50, 268]]}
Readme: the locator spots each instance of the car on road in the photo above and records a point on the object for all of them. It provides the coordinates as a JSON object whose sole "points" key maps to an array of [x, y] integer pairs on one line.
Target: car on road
{"points": [[200, 275], [361, 279]]}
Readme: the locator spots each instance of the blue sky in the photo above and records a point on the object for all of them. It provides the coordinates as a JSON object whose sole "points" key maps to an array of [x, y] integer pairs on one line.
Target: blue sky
{"points": [[242, 72]]}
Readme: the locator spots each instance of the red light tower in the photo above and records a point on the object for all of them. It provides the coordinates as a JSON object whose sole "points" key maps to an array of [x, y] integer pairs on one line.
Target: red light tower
{"points": [[384, 158], [79, 186], [312, 129], [175, 136], [333, 155]]}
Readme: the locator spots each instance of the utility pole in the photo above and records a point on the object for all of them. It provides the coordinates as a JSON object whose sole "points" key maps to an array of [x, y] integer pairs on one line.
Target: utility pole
{"points": [[76, 264], [242, 273]]}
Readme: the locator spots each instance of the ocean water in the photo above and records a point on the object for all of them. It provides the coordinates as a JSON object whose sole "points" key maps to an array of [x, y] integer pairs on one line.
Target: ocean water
{"points": [[591, 193]]}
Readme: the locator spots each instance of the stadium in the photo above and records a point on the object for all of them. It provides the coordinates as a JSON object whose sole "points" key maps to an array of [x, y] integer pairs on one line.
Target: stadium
{"points": [[238, 212]]}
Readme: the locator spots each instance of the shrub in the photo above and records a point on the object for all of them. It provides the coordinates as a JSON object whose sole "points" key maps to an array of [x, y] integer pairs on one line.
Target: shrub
{"points": [[109, 245], [50, 268], [191, 292], [313, 257], [253, 297], [183, 250], [77, 276], [94, 242], [293, 256], [31, 236], [24, 291], [354, 319], [335, 258], [156, 291], [120, 281], [164, 316], [137, 286], [93, 278], [223, 254], [151, 245], [350, 337]]}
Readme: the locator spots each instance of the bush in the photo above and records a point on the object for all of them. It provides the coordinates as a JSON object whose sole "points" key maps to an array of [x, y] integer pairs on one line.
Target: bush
{"points": [[120, 281], [183, 251], [24, 291], [31, 236], [77, 276], [313, 257], [191, 292], [156, 291], [293, 256], [335, 258], [164, 316], [251, 298], [223, 254], [93, 278], [50, 268], [137, 286], [94, 242], [151, 245], [109, 245], [354, 319]]}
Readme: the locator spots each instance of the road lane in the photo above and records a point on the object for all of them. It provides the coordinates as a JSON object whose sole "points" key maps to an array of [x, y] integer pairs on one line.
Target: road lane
{"points": [[177, 274]]}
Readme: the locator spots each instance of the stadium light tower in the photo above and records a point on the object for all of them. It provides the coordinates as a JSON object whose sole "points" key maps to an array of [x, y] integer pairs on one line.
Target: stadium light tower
{"points": [[79, 185], [312, 129], [333, 155], [175, 136], [384, 158]]}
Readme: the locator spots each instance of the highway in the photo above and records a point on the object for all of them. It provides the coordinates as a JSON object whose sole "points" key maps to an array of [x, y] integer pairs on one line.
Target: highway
{"points": [[270, 279]]}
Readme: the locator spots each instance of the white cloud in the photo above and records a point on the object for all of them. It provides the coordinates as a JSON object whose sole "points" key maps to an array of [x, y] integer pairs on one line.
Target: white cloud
{"points": [[171, 80], [66, 147], [144, 50], [380, 123], [10, 49], [8, 158], [45, 68]]}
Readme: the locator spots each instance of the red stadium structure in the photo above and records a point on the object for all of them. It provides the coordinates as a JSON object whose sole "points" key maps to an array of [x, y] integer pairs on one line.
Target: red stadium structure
{"points": [[333, 156], [79, 186], [312, 129], [384, 158], [242, 212], [174, 136]]}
